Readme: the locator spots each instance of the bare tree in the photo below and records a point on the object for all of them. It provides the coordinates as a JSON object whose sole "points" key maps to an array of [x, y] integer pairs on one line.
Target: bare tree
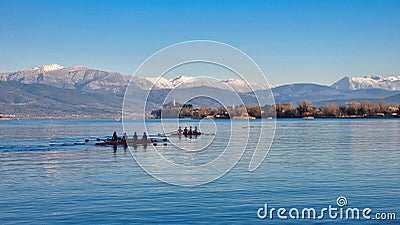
{"points": [[305, 107], [352, 108], [330, 110], [381, 106], [366, 108]]}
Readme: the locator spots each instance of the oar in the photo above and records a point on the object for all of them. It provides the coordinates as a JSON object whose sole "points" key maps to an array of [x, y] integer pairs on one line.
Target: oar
{"points": [[207, 133]]}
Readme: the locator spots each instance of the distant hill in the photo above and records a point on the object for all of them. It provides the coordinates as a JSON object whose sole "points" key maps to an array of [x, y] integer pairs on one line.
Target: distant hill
{"points": [[295, 92], [40, 100], [228, 97], [395, 99]]}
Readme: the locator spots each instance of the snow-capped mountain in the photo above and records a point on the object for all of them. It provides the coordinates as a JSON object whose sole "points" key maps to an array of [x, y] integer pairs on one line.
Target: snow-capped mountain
{"points": [[184, 81], [158, 82], [368, 82], [244, 86], [191, 82], [176, 82], [74, 77]]}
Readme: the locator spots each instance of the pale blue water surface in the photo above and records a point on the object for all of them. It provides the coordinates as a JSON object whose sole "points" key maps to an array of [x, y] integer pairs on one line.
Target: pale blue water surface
{"points": [[310, 164]]}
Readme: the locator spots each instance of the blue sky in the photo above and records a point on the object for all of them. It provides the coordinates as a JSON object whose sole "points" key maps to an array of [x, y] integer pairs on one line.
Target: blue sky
{"points": [[292, 41]]}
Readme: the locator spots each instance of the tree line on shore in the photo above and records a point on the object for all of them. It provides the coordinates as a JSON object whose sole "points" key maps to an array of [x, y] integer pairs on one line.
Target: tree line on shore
{"points": [[331, 110], [304, 108]]}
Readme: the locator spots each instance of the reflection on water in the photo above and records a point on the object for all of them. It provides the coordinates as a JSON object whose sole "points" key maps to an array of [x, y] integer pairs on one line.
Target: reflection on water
{"points": [[310, 164]]}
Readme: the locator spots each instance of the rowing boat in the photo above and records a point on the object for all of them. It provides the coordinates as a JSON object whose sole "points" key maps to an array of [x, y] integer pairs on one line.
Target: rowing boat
{"points": [[154, 139], [193, 134], [129, 142], [151, 140]]}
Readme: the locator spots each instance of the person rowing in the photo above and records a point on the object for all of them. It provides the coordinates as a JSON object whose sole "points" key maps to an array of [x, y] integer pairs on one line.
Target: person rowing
{"points": [[115, 136], [135, 138], [125, 137], [196, 131], [144, 139], [185, 131], [180, 131]]}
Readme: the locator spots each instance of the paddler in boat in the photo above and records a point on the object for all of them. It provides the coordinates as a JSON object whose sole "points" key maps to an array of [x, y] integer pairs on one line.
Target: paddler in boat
{"points": [[195, 131], [144, 138], [115, 136], [180, 130], [125, 137], [185, 131], [190, 131], [135, 138], [124, 140]]}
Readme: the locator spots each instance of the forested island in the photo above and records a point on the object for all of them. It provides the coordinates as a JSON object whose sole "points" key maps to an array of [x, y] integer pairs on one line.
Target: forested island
{"points": [[303, 109]]}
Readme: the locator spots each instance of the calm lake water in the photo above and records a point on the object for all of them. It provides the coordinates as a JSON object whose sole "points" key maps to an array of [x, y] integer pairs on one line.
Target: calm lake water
{"points": [[310, 164]]}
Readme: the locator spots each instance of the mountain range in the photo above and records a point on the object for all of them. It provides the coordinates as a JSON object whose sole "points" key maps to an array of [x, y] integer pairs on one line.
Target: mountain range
{"points": [[54, 90]]}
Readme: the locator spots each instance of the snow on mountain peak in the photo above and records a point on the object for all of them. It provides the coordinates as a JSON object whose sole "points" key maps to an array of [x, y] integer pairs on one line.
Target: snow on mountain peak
{"points": [[189, 82], [49, 67], [159, 82], [247, 85], [233, 81], [367, 82], [181, 79]]}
